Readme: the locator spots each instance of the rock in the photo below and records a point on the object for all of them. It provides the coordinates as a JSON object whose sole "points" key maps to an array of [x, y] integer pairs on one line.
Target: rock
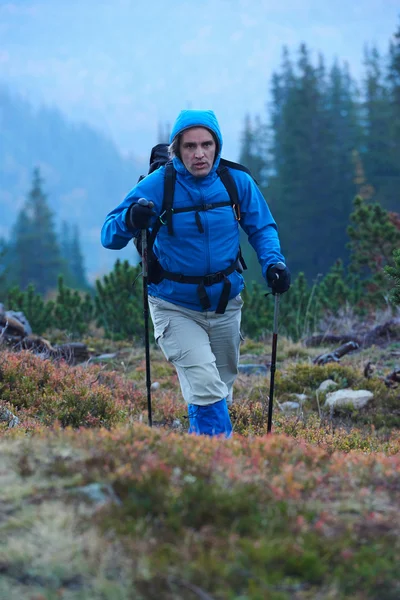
{"points": [[155, 385], [301, 398], [38, 345], [393, 378], [12, 326], [325, 385], [289, 406], [97, 493], [348, 397], [7, 416], [103, 357], [22, 319], [73, 353], [253, 369]]}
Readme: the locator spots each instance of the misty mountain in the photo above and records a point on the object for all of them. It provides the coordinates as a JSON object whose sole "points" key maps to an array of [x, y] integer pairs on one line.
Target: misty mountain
{"points": [[85, 176]]}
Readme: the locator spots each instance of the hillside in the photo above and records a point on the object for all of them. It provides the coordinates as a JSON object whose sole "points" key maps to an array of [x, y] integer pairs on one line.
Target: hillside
{"points": [[95, 505], [84, 174]]}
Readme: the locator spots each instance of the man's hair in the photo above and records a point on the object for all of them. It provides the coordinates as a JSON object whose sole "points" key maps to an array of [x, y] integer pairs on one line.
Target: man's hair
{"points": [[173, 149]]}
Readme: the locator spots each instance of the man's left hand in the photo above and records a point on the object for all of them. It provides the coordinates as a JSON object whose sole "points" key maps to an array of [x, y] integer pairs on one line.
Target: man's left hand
{"points": [[278, 278]]}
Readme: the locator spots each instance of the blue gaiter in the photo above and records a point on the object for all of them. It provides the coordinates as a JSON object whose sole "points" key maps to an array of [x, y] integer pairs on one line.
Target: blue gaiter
{"points": [[212, 419]]}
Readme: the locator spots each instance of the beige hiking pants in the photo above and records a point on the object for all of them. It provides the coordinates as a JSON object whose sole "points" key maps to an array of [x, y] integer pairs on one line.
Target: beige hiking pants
{"points": [[203, 347]]}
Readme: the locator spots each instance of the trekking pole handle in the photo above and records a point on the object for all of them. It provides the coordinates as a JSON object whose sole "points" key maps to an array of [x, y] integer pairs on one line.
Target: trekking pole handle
{"points": [[145, 202], [280, 266]]}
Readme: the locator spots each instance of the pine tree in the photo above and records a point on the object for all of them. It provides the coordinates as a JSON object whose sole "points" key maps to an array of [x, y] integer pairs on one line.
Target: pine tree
{"points": [[342, 138], [254, 151], [299, 191], [38, 312], [253, 155], [119, 307], [377, 119], [374, 237], [36, 252], [77, 262], [394, 134], [73, 311], [75, 276], [315, 127], [394, 273], [3, 267]]}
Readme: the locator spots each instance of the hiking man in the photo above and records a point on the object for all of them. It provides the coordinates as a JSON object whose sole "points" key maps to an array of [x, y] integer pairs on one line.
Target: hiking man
{"points": [[194, 299]]}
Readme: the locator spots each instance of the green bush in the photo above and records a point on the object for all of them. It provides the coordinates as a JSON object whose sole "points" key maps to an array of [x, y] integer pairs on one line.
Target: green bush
{"points": [[119, 307], [73, 312], [394, 274], [38, 312]]}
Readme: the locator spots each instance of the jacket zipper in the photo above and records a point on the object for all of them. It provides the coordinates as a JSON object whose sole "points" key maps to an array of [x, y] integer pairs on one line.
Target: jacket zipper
{"points": [[206, 234]]}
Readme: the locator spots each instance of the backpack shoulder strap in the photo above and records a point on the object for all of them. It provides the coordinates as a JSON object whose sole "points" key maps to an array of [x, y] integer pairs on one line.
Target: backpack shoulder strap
{"points": [[233, 165], [239, 167], [168, 200], [167, 210], [230, 185]]}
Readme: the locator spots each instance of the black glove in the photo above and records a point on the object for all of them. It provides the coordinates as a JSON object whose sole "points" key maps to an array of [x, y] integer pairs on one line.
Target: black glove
{"points": [[139, 215], [278, 278]]}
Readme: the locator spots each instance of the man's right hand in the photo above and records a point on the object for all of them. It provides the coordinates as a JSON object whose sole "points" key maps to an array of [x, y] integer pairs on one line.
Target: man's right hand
{"points": [[139, 215], [278, 278]]}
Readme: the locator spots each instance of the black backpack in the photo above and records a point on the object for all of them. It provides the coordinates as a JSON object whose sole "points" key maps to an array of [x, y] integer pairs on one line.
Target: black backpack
{"points": [[159, 157]]}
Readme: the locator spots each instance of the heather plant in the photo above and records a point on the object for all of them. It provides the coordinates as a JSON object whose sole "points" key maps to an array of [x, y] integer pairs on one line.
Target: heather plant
{"points": [[262, 517], [51, 393], [73, 311], [38, 312], [119, 306]]}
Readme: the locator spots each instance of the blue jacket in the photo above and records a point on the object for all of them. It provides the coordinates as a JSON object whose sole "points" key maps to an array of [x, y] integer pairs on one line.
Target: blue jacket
{"points": [[189, 251]]}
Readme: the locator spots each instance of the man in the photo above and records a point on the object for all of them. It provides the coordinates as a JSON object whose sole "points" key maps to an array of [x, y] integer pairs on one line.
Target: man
{"points": [[196, 307]]}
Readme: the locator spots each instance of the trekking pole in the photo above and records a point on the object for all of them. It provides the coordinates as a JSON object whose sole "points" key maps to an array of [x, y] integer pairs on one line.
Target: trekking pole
{"points": [[273, 362], [145, 269]]}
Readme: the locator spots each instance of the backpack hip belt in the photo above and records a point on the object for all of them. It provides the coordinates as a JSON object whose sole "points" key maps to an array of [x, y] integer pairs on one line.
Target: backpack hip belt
{"points": [[204, 281]]}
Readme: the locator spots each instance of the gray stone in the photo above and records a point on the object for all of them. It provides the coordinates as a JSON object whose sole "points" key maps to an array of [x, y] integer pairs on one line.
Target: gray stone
{"points": [[97, 493], [252, 369], [103, 357], [326, 385], [301, 398], [348, 397], [22, 319], [155, 385], [8, 417], [289, 406]]}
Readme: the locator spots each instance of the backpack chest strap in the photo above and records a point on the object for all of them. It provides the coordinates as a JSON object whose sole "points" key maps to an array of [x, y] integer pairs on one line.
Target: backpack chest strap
{"points": [[201, 207]]}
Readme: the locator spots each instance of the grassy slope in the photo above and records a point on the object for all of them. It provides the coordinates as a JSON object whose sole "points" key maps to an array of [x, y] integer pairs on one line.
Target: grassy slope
{"points": [[310, 513]]}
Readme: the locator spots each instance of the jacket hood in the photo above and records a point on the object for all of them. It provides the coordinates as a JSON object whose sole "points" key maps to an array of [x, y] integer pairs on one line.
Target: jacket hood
{"points": [[198, 118]]}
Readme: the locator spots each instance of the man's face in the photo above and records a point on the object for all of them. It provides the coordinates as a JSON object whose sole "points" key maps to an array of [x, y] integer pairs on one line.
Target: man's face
{"points": [[197, 148]]}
